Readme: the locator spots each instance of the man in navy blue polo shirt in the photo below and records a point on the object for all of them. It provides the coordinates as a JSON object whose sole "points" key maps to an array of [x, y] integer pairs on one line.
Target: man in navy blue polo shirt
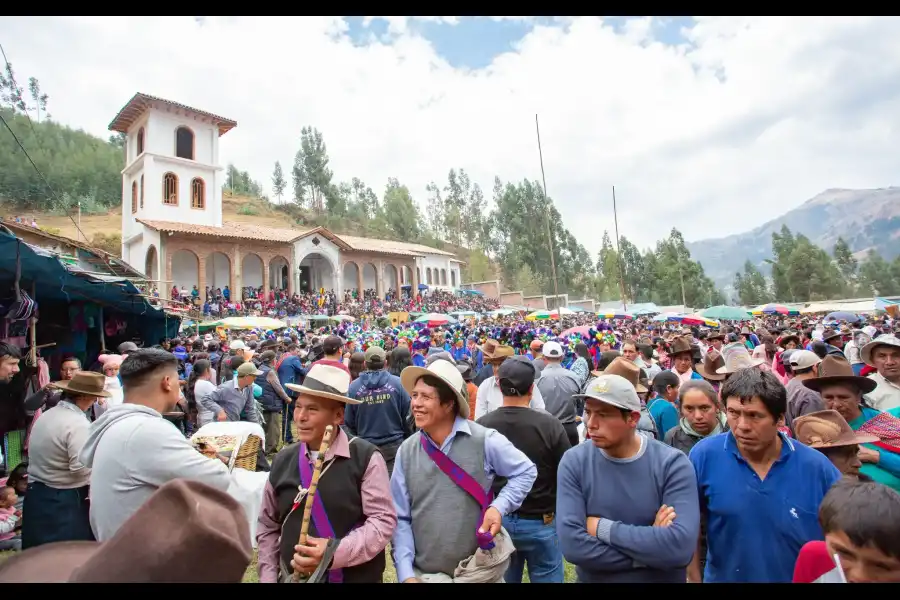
{"points": [[759, 489]]}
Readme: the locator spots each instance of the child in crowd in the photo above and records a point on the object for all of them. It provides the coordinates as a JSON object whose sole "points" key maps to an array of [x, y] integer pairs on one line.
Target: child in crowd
{"points": [[861, 522], [18, 481], [10, 520]]}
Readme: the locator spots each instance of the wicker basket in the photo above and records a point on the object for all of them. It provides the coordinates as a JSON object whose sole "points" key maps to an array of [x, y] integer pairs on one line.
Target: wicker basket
{"points": [[247, 453]]}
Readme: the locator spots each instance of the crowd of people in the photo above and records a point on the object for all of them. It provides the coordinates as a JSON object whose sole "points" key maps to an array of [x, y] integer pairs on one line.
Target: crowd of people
{"points": [[638, 452], [216, 303]]}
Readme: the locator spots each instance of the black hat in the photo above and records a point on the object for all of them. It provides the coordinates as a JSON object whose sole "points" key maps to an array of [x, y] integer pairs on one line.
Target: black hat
{"points": [[332, 344], [516, 376]]}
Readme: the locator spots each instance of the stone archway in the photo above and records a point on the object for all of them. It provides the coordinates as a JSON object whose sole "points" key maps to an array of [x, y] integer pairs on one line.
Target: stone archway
{"points": [[251, 271], [279, 273], [218, 271], [317, 271], [391, 278], [351, 277], [370, 278], [185, 269], [151, 266]]}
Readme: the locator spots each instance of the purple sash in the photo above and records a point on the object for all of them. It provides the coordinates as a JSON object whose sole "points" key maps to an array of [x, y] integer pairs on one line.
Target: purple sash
{"points": [[319, 517], [466, 483]]}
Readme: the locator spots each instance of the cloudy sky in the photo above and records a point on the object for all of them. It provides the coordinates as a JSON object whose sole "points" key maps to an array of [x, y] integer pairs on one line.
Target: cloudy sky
{"points": [[711, 125]]}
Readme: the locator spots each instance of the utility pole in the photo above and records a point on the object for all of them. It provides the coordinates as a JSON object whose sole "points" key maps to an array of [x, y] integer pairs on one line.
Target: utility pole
{"points": [[681, 275], [79, 221], [619, 254], [547, 220]]}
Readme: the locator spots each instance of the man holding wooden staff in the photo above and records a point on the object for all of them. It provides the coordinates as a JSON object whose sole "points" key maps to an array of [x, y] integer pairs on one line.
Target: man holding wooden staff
{"points": [[352, 516]]}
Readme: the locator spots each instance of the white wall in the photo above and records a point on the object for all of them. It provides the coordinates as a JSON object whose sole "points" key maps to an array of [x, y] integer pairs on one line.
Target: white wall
{"points": [[370, 277], [275, 271], [185, 270], [251, 271], [436, 263], [159, 135], [218, 270], [350, 276], [321, 274]]}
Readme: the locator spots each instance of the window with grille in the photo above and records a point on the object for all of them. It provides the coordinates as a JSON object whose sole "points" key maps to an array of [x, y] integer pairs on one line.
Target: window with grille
{"points": [[170, 189], [184, 143], [134, 196], [198, 194], [140, 141]]}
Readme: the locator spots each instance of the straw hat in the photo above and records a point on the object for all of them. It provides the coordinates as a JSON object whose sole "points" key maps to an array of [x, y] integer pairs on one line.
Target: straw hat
{"points": [[835, 371], [885, 340], [444, 371], [709, 368], [828, 429], [84, 383], [737, 357], [325, 381]]}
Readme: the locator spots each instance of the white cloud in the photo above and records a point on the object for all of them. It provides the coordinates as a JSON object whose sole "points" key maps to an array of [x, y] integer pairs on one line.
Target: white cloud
{"points": [[750, 118]]}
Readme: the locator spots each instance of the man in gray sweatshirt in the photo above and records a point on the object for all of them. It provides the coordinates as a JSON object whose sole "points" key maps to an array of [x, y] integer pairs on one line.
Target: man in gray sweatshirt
{"points": [[233, 400], [132, 450], [627, 507]]}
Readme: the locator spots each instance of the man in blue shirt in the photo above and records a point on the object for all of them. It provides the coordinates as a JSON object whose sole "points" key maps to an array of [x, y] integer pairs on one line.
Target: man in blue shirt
{"points": [[290, 370], [759, 489]]}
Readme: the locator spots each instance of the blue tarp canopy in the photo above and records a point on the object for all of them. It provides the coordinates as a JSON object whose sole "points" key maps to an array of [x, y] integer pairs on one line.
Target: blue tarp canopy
{"points": [[422, 286], [471, 292], [58, 282]]}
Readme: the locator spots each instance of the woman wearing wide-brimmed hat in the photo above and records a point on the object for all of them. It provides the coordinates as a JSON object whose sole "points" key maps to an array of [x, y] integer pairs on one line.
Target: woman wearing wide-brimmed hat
{"points": [[57, 500], [843, 391]]}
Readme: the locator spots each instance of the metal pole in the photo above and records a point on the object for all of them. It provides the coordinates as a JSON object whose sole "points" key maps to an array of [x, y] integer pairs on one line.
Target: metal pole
{"points": [[547, 220], [619, 254]]}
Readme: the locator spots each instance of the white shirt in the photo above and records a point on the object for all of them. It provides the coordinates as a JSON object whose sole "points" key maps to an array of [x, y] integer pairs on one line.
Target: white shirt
{"points": [[56, 440], [886, 395], [490, 398]]}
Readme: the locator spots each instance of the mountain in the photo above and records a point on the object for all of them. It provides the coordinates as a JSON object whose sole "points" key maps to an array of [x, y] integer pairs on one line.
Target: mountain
{"points": [[864, 218]]}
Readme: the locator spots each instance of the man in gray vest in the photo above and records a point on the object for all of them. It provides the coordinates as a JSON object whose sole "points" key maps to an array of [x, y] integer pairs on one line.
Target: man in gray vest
{"points": [[559, 387], [442, 521]]}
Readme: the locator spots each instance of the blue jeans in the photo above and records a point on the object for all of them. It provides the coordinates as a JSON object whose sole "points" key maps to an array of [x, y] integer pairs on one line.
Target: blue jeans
{"points": [[537, 545]]}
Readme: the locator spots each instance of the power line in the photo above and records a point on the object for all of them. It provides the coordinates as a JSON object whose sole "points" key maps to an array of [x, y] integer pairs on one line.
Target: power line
{"points": [[28, 156]]}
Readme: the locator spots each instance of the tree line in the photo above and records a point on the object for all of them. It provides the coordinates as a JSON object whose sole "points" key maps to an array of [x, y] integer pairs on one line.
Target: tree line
{"points": [[801, 271], [512, 240]]}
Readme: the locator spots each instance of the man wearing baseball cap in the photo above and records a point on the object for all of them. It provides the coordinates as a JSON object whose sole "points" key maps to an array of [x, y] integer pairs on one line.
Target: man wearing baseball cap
{"points": [[489, 395], [801, 400], [542, 438], [560, 386], [604, 531], [381, 417]]}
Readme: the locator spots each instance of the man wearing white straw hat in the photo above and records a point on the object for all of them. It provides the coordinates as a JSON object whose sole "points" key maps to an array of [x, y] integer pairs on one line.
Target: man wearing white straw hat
{"points": [[883, 353], [441, 486], [352, 506]]}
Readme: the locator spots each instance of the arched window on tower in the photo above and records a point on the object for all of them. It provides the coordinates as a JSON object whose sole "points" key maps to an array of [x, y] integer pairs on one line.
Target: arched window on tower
{"points": [[142, 190], [140, 141], [184, 143], [170, 189], [134, 196], [198, 193]]}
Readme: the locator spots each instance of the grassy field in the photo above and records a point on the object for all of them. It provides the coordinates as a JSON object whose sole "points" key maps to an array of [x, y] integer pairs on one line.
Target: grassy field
{"points": [[390, 575]]}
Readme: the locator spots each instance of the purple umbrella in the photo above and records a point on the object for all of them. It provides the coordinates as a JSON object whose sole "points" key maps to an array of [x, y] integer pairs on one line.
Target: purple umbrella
{"points": [[842, 316]]}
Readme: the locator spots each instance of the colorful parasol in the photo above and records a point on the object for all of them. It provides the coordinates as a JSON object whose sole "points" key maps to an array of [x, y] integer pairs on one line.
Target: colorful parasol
{"points": [[436, 319], [772, 309], [614, 314]]}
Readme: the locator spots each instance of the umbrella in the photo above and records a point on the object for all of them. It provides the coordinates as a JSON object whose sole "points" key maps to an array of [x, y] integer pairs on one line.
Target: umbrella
{"points": [[842, 315], [435, 319], [613, 314], [728, 313], [698, 319], [343, 318], [580, 330], [669, 316], [548, 314], [771, 309]]}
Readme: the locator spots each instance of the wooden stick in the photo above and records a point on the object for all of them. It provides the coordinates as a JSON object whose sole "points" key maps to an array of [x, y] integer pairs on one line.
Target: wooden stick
{"points": [[311, 492]]}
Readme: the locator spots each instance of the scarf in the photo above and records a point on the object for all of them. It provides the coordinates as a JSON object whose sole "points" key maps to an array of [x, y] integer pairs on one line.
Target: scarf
{"points": [[686, 427], [887, 428]]}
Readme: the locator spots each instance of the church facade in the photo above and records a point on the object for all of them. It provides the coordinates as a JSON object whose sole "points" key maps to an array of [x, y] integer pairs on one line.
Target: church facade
{"points": [[173, 229]]}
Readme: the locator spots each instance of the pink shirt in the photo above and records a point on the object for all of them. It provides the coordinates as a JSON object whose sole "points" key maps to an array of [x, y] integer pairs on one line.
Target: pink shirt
{"points": [[361, 544]]}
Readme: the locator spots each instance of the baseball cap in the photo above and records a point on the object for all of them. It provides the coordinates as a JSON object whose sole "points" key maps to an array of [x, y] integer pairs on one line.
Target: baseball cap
{"points": [[552, 350], [786, 357], [536, 345], [614, 390], [804, 359], [332, 344], [375, 355], [516, 376], [248, 368]]}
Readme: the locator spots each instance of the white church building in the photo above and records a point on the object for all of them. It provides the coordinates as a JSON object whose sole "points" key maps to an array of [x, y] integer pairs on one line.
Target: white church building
{"points": [[173, 228]]}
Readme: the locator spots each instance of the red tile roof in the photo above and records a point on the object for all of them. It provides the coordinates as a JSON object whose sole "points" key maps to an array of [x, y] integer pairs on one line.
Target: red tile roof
{"points": [[139, 103]]}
